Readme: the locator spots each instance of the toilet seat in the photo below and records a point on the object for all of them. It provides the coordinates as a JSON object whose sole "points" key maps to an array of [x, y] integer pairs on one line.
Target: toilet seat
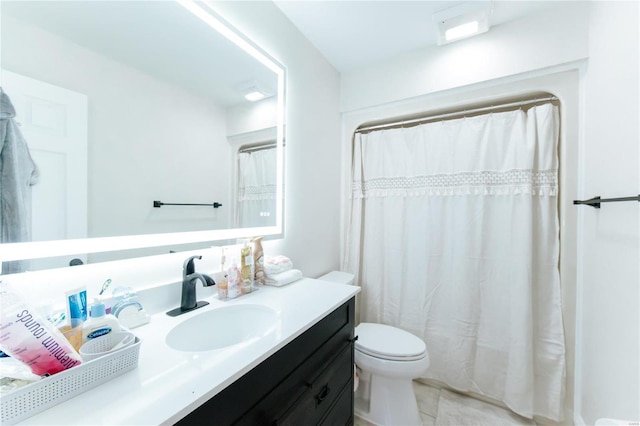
{"points": [[390, 343]]}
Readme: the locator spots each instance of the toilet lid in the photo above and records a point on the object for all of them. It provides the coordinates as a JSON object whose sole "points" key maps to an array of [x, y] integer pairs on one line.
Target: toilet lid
{"points": [[383, 341]]}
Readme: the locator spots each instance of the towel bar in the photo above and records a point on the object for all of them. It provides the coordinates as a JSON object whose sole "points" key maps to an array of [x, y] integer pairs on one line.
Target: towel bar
{"points": [[159, 204], [595, 201]]}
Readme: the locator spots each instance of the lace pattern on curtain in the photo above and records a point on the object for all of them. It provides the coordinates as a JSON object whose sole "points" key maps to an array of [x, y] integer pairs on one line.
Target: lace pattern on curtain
{"points": [[510, 182], [260, 192]]}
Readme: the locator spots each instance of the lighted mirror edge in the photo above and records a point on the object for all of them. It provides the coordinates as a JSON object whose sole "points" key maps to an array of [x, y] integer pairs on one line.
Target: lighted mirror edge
{"points": [[217, 22], [43, 249], [280, 152]]}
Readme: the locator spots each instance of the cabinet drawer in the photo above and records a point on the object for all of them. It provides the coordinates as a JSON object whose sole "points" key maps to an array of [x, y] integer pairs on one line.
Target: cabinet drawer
{"points": [[298, 384], [322, 392], [341, 413]]}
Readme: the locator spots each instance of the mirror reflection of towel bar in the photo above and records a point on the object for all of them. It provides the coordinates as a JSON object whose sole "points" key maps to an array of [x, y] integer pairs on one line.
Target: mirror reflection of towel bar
{"points": [[595, 201], [159, 204]]}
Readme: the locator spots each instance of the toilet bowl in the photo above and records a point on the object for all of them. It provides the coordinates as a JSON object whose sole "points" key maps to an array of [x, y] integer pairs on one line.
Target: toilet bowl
{"points": [[389, 359]]}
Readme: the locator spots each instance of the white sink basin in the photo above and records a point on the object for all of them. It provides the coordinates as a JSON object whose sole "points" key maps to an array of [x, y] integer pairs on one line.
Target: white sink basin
{"points": [[223, 327]]}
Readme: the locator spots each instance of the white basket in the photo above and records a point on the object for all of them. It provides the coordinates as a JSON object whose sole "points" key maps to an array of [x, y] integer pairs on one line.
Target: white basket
{"points": [[26, 401], [104, 345]]}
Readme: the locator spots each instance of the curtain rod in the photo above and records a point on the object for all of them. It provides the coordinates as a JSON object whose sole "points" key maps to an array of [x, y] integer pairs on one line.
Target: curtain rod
{"points": [[416, 121], [257, 148]]}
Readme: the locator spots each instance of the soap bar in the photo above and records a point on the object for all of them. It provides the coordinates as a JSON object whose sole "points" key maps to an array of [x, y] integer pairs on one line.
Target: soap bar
{"points": [[132, 317]]}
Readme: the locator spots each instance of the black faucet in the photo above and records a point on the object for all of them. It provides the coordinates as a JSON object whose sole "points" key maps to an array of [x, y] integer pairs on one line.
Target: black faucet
{"points": [[189, 277]]}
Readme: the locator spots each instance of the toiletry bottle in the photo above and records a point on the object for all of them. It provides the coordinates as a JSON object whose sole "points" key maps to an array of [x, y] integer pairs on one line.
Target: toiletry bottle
{"points": [[233, 280], [77, 306], [258, 262], [223, 287], [99, 322], [246, 270]]}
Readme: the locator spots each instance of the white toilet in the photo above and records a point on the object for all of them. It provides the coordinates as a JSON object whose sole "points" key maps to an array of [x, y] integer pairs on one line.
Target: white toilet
{"points": [[389, 359]]}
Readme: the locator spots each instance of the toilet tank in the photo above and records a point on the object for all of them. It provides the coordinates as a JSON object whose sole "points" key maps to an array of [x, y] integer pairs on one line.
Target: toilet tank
{"points": [[338, 277]]}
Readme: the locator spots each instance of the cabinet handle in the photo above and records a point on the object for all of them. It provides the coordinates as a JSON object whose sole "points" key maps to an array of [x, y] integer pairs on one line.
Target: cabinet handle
{"points": [[354, 339], [322, 394]]}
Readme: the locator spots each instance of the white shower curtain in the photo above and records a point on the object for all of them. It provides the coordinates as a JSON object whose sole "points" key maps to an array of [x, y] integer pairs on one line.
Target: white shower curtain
{"points": [[454, 237], [256, 188]]}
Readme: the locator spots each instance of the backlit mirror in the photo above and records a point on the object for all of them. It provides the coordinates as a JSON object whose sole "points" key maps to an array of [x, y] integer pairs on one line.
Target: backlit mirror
{"points": [[146, 123]]}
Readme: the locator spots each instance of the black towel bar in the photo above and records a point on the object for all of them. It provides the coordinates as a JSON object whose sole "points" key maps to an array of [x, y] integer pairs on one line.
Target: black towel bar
{"points": [[595, 201], [159, 204]]}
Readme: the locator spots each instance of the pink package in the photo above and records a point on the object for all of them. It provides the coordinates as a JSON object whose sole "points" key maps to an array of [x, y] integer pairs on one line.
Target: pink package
{"points": [[32, 340]]}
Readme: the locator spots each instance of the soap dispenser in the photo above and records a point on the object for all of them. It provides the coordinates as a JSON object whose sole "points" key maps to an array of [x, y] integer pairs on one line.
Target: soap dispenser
{"points": [[246, 267], [99, 322], [234, 280]]}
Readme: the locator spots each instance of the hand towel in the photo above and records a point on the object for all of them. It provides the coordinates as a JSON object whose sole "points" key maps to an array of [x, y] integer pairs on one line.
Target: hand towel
{"points": [[284, 278], [276, 265]]}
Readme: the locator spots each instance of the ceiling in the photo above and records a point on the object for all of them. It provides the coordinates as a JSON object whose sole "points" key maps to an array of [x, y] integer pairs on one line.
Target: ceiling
{"points": [[159, 38], [352, 34]]}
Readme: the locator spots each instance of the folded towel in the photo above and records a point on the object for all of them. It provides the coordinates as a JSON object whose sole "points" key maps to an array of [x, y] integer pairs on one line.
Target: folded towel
{"points": [[284, 278], [276, 265]]}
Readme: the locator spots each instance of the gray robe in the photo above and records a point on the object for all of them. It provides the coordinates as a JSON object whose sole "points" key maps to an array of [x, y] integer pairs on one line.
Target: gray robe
{"points": [[18, 173]]}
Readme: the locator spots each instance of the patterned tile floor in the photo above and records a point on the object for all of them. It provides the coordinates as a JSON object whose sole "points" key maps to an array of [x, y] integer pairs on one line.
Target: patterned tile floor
{"points": [[445, 408]]}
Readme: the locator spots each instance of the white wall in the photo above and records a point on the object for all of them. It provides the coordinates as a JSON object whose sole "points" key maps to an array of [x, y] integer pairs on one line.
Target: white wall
{"points": [[146, 137], [541, 41], [606, 243], [610, 237]]}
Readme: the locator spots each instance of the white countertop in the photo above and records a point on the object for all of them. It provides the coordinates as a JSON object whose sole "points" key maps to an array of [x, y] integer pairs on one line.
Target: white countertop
{"points": [[168, 384]]}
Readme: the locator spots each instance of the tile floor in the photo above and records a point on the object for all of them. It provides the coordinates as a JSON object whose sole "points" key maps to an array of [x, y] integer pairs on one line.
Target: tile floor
{"points": [[445, 408]]}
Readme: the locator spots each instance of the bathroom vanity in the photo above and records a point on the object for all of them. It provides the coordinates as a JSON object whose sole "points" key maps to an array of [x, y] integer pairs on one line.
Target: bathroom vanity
{"points": [[309, 381], [299, 371]]}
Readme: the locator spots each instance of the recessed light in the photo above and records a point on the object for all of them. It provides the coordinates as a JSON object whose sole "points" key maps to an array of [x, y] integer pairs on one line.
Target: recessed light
{"points": [[462, 21], [462, 30], [254, 90], [254, 96]]}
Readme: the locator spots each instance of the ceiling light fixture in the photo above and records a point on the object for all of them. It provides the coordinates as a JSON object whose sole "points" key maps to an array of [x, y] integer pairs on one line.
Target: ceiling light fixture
{"points": [[462, 21], [463, 30], [254, 95], [254, 91]]}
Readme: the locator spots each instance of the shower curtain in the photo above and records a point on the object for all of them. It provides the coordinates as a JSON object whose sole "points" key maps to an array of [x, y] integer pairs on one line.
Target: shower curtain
{"points": [[454, 236], [256, 188]]}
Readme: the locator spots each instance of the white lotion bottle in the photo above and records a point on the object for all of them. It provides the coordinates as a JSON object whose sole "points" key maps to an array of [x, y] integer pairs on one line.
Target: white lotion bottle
{"points": [[99, 323]]}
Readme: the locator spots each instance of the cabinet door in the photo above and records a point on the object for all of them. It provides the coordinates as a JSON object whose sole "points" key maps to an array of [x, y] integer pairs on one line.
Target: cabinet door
{"points": [[322, 392], [306, 380], [341, 414]]}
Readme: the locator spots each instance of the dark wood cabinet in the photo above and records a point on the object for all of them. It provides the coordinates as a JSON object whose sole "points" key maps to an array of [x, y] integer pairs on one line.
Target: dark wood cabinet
{"points": [[308, 382]]}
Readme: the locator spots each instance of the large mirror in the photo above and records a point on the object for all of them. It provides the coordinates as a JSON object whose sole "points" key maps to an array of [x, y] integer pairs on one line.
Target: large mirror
{"points": [[139, 124]]}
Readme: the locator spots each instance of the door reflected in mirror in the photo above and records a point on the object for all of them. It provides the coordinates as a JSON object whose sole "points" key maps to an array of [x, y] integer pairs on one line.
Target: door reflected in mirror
{"points": [[123, 103]]}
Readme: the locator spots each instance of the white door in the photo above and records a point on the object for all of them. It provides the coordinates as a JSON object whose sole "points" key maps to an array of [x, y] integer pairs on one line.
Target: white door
{"points": [[53, 121]]}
